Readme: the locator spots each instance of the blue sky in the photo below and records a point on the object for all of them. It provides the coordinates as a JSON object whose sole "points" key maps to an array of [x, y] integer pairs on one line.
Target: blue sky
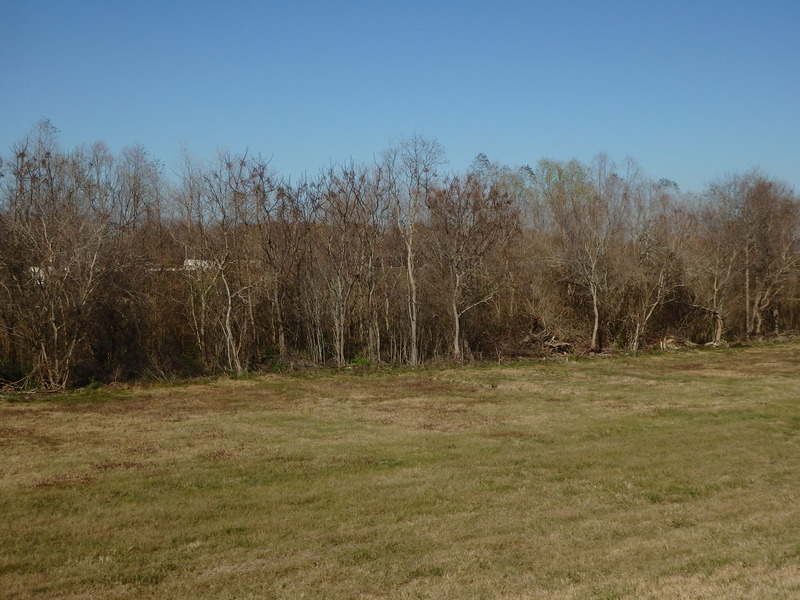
{"points": [[692, 90]]}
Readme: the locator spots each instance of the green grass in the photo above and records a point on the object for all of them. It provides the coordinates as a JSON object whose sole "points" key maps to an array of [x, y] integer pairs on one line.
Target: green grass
{"points": [[672, 476]]}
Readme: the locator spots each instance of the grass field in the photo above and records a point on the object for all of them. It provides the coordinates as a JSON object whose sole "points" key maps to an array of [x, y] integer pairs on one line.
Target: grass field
{"points": [[673, 476]]}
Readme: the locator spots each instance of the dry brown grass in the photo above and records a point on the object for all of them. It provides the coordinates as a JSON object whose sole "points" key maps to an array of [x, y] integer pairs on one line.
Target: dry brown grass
{"points": [[672, 476]]}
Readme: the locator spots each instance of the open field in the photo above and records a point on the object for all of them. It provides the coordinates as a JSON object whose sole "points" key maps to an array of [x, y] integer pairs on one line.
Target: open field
{"points": [[674, 476]]}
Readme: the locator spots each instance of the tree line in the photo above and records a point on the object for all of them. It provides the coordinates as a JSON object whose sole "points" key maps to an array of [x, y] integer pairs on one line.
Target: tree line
{"points": [[109, 270]]}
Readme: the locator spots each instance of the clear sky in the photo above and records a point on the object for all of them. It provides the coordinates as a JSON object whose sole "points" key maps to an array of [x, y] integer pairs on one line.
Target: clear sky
{"points": [[693, 90]]}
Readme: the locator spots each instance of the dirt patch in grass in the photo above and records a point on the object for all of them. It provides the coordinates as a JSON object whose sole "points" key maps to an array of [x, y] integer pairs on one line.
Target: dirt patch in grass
{"points": [[69, 479]]}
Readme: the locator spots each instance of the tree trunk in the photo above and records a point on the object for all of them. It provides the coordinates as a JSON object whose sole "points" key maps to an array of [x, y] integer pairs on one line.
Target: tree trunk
{"points": [[596, 321], [456, 334], [719, 327], [280, 328], [457, 355], [748, 316], [413, 307]]}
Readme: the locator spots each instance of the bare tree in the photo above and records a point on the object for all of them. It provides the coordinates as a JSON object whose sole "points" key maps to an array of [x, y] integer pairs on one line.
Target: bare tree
{"points": [[653, 265], [59, 227], [712, 259], [282, 227], [219, 207], [468, 220], [746, 252], [411, 176], [345, 259], [587, 209], [768, 214]]}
